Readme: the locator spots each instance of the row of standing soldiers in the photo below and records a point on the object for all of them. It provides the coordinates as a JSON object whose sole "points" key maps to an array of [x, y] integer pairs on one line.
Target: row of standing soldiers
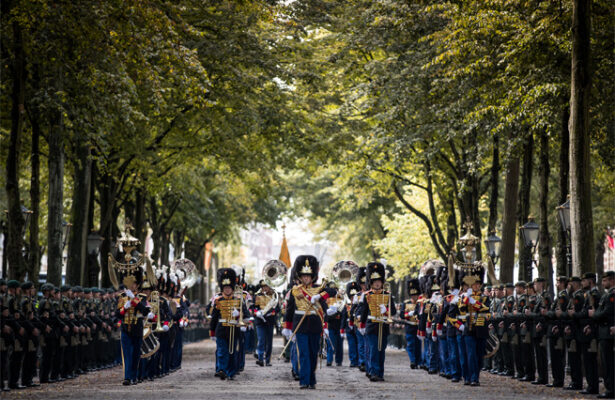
{"points": [[72, 328], [577, 325]]}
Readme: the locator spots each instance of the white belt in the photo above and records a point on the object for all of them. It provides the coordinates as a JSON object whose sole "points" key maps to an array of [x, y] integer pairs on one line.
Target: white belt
{"points": [[412, 323], [232, 321], [462, 317], [300, 312], [377, 319]]}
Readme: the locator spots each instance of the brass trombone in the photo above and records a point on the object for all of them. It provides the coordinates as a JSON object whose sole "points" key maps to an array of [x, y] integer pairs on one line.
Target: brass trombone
{"points": [[240, 323], [386, 287]]}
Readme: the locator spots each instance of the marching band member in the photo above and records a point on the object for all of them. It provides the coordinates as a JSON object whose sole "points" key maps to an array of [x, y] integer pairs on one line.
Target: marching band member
{"points": [[358, 301], [375, 310], [264, 322], [335, 344], [305, 314], [413, 345], [225, 323], [349, 326]]}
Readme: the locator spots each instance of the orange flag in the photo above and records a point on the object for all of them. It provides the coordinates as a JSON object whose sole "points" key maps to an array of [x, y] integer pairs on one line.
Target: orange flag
{"points": [[284, 254]]}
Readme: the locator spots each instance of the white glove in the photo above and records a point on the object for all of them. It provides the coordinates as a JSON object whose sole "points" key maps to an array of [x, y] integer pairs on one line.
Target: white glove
{"points": [[213, 338], [243, 329], [439, 332], [235, 313], [181, 324], [331, 310], [287, 333], [127, 305], [327, 332], [165, 328], [469, 292], [462, 327], [472, 301], [421, 338], [129, 293], [383, 309], [455, 292], [434, 338], [259, 314], [355, 300], [294, 339], [455, 299], [428, 331], [150, 316], [315, 298], [343, 335], [362, 331]]}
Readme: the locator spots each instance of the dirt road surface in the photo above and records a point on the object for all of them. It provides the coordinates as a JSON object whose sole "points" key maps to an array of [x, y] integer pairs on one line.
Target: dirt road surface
{"points": [[196, 381]]}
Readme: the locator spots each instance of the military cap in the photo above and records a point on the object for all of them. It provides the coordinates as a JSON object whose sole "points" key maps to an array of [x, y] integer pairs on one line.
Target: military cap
{"points": [[2, 282], [13, 284], [489, 287], [110, 290], [77, 289], [65, 288], [56, 289], [609, 274], [575, 279], [87, 290], [539, 279], [510, 285], [562, 278], [521, 283], [46, 287], [27, 285], [590, 275], [500, 286]]}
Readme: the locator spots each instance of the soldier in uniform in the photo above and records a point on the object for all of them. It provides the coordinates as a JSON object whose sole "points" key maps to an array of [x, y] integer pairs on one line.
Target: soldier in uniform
{"points": [[588, 332], [497, 306], [335, 344], [431, 338], [265, 322], [576, 305], [18, 324], [225, 321], [7, 336], [515, 326], [33, 332], [604, 317], [555, 331], [538, 327], [362, 282], [349, 326], [46, 314], [304, 318], [375, 315], [413, 345]]}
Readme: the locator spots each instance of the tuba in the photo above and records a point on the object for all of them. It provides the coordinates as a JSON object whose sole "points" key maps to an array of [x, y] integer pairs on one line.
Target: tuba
{"points": [[492, 346], [343, 273], [150, 343], [274, 275]]}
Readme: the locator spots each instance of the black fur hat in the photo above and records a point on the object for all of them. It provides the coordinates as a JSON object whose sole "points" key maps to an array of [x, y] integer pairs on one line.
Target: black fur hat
{"points": [[413, 287], [362, 276], [307, 265], [227, 277], [472, 274], [375, 271], [352, 288]]}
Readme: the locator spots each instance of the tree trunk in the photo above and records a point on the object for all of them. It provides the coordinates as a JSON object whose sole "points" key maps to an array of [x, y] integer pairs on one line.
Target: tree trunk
{"points": [[140, 221], [600, 255], [581, 218], [34, 253], [77, 247], [545, 266], [562, 236], [509, 221], [16, 221], [523, 208], [495, 186], [55, 199]]}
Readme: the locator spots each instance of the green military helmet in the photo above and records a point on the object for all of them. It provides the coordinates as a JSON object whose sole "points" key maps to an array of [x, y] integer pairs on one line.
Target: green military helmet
{"points": [[2, 282], [27, 285], [87, 290], [65, 288], [12, 284], [77, 289]]}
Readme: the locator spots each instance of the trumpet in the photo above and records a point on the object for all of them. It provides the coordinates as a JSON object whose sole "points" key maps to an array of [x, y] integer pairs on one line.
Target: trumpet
{"points": [[156, 306]]}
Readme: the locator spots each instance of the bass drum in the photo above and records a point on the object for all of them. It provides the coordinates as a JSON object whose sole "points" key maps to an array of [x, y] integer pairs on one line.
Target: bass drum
{"points": [[150, 343]]}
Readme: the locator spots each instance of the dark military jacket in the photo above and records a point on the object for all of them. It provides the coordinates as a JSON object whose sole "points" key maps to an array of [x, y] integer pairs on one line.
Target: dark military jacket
{"points": [[604, 316]]}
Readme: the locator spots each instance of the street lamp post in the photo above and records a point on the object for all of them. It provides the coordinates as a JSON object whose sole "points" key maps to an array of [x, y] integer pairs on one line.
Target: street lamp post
{"points": [[563, 212], [529, 233], [493, 244], [93, 248]]}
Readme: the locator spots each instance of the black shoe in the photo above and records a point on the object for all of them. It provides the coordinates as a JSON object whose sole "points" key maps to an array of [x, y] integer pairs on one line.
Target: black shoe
{"points": [[588, 391], [526, 379], [474, 384], [354, 366], [328, 364], [255, 355], [362, 368], [312, 387], [133, 382], [268, 364], [606, 395], [126, 382], [432, 372], [455, 380], [555, 385], [6, 389], [217, 374], [376, 379], [413, 366], [18, 386], [231, 378], [222, 375], [241, 369], [259, 362], [573, 387], [304, 387], [466, 383], [32, 384], [539, 383]]}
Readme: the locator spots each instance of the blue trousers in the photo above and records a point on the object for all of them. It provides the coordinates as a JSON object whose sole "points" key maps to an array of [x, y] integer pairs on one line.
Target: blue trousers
{"points": [[425, 353], [335, 339], [472, 355], [131, 352], [225, 360], [265, 342], [293, 357], [249, 346], [453, 357], [434, 355], [413, 348], [240, 355], [165, 352], [463, 358], [176, 358], [353, 349], [361, 347], [376, 357], [443, 347], [309, 347]]}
